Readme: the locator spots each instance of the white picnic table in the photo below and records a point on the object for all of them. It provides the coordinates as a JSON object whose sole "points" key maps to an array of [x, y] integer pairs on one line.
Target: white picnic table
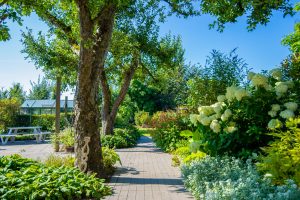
{"points": [[15, 131]]}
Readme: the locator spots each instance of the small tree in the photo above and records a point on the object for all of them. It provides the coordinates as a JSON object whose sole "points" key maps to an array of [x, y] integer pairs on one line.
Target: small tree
{"points": [[219, 72]]}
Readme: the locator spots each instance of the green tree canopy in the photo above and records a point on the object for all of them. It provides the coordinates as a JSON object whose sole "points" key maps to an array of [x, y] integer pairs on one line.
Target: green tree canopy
{"points": [[42, 89]]}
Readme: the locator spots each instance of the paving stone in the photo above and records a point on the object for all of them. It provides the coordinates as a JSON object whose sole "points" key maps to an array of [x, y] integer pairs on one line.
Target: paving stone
{"points": [[146, 173]]}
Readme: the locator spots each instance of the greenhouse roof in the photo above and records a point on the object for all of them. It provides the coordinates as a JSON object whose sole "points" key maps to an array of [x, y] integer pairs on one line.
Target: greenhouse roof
{"points": [[50, 103]]}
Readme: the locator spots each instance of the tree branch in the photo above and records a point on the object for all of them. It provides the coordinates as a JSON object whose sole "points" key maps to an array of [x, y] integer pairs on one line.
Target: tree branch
{"points": [[128, 75], [3, 2], [175, 7], [148, 71]]}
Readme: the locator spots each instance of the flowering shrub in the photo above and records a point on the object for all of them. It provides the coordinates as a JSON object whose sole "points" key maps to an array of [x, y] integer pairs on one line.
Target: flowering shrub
{"points": [[282, 156], [219, 178], [238, 123]]}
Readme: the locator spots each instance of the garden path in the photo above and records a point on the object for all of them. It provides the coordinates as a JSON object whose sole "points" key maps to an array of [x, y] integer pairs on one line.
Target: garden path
{"points": [[146, 174]]}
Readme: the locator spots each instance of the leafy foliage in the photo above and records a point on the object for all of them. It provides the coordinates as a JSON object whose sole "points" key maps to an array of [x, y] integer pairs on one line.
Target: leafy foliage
{"points": [[194, 156], [22, 178], [142, 118], [110, 157], [229, 178], [122, 138], [282, 156], [220, 71], [9, 109], [46, 121], [239, 122], [43, 89], [58, 161]]}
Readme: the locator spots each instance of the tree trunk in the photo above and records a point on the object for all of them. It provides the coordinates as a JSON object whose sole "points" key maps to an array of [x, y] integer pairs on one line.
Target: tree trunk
{"points": [[109, 112], [87, 133], [57, 113]]}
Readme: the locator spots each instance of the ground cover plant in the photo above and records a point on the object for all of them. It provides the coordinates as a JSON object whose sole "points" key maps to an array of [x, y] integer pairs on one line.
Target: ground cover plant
{"points": [[225, 178], [110, 158], [22, 178]]}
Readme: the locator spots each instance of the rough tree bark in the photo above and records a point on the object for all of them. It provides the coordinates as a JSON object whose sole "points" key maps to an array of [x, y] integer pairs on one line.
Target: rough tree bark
{"points": [[57, 112], [93, 52], [109, 108]]}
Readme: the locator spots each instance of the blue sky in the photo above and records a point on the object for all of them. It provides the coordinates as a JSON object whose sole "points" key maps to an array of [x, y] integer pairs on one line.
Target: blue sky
{"points": [[261, 48]]}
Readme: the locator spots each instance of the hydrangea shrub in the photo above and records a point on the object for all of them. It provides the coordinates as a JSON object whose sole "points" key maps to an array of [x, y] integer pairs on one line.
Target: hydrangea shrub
{"points": [[239, 122]]}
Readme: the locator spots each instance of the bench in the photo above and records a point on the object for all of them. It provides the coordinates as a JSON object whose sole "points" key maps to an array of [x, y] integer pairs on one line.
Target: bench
{"points": [[13, 132]]}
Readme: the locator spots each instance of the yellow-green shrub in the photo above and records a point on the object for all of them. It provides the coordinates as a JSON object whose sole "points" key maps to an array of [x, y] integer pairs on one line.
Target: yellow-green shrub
{"points": [[180, 154], [194, 156], [282, 158]]}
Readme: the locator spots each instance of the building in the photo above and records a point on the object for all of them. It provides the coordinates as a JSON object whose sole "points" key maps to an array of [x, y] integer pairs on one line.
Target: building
{"points": [[38, 107]]}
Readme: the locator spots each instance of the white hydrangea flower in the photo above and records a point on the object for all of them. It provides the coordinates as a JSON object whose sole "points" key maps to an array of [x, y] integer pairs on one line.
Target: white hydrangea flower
{"points": [[281, 88], [259, 80], [287, 114], [227, 113], [291, 106], [272, 113], [206, 110], [193, 118], [276, 73], [205, 121], [230, 129], [274, 123], [275, 107], [250, 75], [217, 107], [269, 87], [215, 116], [224, 118], [240, 93], [221, 98], [230, 92], [215, 126]]}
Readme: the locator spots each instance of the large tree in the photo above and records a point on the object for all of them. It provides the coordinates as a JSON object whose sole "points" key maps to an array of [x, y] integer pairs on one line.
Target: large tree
{"points": [[91, 23]]}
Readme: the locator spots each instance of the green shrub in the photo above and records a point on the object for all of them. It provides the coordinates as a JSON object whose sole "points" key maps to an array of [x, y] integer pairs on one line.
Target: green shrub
{"points": [[180, 154], [9, 109], [142, 118], [22, 178], [168, 119], [122, 138], [167, 139], [224, 178], [46, 121], [282, 159], [67, 137], [194, 156]]}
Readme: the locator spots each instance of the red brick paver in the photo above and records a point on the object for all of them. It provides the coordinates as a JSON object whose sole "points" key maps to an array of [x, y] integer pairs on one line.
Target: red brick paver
{"points": [[146, 174]]}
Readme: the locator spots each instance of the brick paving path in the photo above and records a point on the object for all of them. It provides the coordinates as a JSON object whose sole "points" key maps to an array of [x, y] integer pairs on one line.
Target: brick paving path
{"points": [[28, 149], [146, 174]]}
